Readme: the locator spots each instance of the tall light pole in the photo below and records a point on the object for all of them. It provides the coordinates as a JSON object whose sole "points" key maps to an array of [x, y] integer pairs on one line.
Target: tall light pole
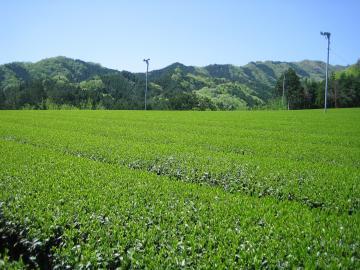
{"points": [[327, 36], [146, 83]]}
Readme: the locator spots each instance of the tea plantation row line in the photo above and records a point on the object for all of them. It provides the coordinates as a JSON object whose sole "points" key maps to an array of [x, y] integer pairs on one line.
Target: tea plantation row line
{"points": [[316, 184], [85, 214]]}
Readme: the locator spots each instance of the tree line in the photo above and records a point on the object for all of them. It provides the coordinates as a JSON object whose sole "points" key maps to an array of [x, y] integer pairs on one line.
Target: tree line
{"points": [[111, 92], [343, 90]]}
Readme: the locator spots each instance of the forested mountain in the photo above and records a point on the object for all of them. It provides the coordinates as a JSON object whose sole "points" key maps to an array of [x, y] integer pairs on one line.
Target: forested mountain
{"points": [[62, 82]]}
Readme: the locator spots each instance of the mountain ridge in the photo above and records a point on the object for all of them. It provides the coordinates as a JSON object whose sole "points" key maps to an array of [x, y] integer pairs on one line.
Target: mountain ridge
{"points": [[178, 64], [226, 85]]}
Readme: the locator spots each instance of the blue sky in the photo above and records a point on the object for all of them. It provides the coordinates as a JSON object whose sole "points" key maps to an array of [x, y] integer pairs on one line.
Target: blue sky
{"points": [[119, 34]]}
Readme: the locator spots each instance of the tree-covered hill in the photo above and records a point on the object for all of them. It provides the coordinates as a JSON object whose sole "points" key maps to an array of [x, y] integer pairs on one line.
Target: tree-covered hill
{"points": [[62, 82], [343, 89], [73, 70], [234, 87]]}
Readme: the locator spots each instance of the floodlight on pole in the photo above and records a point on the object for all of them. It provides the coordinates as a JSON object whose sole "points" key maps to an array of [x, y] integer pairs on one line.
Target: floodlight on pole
{"points": [[146, 76], [327, 36]]}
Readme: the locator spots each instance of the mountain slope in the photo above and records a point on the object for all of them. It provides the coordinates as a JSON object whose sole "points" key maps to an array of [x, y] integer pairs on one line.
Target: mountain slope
{"points": [[73, 70], [222, 86], [250, 85]]}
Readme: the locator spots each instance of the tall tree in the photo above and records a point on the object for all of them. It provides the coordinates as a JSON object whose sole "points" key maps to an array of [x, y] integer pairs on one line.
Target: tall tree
{"points": [[294, 92]]}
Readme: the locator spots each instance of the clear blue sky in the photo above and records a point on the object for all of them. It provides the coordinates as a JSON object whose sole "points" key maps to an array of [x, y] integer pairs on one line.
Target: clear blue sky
{"points": [[119, 34]]}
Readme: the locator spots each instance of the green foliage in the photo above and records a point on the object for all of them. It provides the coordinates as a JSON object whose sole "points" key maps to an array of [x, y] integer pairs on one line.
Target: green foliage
{"points": [[85, 85], [274, 104], [191, 101], [100, 189], [7, 263], [292, 88], [231, 96], [343, 90], [345, 87]]}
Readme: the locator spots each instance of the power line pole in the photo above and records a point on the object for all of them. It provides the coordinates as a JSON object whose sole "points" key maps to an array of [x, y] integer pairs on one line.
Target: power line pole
{"points": [[327, 36], [283, 94], [335, 89], [146, 76]]}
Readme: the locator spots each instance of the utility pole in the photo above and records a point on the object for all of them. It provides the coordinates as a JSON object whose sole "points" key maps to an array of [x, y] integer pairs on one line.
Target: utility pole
{"points": [[146, 82], [335, 89], [327, 36], [283, 94]]}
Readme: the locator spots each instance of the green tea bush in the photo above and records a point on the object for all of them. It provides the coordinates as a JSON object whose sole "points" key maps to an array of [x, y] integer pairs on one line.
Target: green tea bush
{"points": [[89, 190]]}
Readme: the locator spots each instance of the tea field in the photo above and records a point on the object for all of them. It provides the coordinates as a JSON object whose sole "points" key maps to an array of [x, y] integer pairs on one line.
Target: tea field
{"points": [[180, 190]]}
